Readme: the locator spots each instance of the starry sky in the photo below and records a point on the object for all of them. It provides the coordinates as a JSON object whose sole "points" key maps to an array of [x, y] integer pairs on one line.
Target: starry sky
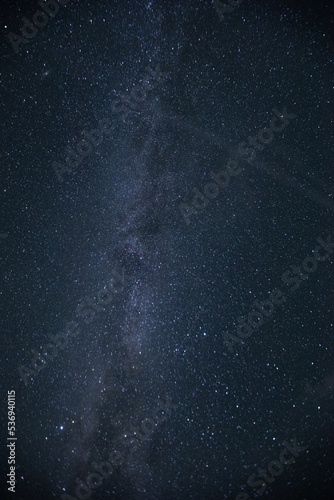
{"points": [[165, 166]]}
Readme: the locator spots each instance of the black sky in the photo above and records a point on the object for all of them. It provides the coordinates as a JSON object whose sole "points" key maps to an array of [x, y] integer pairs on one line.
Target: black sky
{"points": [[172, 287]]}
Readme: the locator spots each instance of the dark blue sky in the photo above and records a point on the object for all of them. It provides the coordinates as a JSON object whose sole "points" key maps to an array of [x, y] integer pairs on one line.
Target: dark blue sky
{"points": [[125, 278]]}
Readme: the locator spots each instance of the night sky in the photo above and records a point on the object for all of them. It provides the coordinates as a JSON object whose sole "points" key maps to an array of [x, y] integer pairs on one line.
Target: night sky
{"points": [[167, 246]]}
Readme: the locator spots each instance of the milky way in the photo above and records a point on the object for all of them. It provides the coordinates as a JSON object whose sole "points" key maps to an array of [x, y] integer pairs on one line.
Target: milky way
{"points": [[166, 174]]}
